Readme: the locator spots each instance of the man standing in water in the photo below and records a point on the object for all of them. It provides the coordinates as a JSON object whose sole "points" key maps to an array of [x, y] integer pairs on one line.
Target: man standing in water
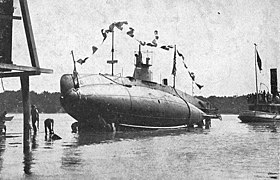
{"points": [[34, 118]]}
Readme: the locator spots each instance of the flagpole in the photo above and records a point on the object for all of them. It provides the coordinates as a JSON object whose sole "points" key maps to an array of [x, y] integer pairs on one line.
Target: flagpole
{"points": [[112, 52], [174, 66], [192, 89], [74, 61], [257, 92]]}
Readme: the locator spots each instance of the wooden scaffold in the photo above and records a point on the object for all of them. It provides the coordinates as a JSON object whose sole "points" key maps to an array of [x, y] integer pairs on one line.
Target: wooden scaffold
{"points": [[8, 69]]}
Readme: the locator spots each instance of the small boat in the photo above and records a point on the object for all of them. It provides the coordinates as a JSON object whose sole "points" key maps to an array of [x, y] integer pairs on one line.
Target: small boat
{"points": [[111, 102], [259, 116], [263, 106]]}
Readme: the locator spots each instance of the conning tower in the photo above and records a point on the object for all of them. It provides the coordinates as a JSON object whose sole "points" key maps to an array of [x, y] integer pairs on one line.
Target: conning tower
{"points": [[141, 70]]}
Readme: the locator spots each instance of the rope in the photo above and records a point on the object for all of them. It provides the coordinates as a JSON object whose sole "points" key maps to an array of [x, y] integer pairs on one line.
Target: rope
{"points": [[126, 85], [189, 117]]}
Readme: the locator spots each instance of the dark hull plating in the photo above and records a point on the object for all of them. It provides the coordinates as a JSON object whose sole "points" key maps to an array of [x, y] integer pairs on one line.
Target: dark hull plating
{"points": [[102, 100]]}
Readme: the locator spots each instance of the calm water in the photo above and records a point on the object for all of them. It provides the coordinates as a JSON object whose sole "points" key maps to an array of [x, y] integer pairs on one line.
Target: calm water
{"points": [[229, 150]]}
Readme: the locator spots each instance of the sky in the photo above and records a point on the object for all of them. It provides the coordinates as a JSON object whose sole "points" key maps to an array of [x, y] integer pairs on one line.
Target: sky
{"points": [[216, 38]]}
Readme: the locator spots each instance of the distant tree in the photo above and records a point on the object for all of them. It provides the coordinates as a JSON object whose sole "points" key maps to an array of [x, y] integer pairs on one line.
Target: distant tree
{"points": [[46, 102]]}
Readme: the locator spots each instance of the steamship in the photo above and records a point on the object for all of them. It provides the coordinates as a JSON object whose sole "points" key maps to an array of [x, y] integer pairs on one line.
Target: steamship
{"points": [[265, 106]]}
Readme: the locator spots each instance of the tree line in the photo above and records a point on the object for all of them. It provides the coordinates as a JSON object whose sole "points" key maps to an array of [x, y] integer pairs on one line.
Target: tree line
{"points": [[47, 102], [228, 105]]}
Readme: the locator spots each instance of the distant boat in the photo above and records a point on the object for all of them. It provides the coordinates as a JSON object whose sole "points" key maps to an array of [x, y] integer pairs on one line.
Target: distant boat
{"points": [[265, 106], [103, 101], [9, 118], [260, 116]]}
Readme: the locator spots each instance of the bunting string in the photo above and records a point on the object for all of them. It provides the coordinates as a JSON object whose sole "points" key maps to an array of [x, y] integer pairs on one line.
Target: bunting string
{"points": [[154, 43]]}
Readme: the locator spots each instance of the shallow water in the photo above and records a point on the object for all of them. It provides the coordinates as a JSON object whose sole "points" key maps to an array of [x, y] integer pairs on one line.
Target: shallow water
{"points": [[228, 150]]}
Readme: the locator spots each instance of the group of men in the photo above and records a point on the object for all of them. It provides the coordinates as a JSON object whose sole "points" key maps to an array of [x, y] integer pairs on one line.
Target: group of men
{"points": [[35, 120], [263, 97]]}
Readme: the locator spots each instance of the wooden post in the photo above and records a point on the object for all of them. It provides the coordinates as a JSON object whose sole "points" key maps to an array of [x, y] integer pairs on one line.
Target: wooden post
{"points": [[24, 79]]}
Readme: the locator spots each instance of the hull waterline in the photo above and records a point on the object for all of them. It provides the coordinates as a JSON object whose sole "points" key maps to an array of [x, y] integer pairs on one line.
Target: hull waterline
{"points": [[107, 100]]}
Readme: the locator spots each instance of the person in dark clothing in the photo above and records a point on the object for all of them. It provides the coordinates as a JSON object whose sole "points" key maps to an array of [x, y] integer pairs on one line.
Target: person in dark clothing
{"points": [[2, 122], [75, 127], [34, 118], [49, 125]]}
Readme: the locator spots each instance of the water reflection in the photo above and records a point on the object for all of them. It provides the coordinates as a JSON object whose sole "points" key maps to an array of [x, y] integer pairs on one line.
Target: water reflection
{"points": [[71, 157], [264, 127], [2, 150], [34, 144], [27, 161], [87, 138], [28, 156]]}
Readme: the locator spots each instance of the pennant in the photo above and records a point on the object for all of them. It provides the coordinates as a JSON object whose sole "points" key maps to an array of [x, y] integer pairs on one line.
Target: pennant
{"points": [[174, 64], [259, 61], [192, 75], [107, 31], [130, 32], [151, 44], [82, 61], [164, 47], [170, 47], [111, 27], [181, 55], [104, 34], [120, 24], [94, 49], [199, 86], [142, 43], [154, 42], [156, 34]]}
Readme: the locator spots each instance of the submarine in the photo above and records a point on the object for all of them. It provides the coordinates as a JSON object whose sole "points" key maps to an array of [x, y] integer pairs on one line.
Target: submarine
{"points": [[102, 102]]}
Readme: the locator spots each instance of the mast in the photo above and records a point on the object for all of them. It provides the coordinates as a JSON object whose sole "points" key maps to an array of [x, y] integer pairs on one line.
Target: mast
{"points": [[256, 74], [75, 73], [174, 67], [112, 52], [112, 61], [75, 70], [192, 89]]}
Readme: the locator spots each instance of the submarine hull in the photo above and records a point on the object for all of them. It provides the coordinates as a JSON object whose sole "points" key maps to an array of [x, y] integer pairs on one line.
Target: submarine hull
{"points": [[108, 100]]}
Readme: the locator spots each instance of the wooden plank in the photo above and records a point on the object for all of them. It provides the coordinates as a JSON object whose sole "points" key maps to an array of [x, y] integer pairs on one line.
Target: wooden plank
{"points": [[29, 33], [17, 17], [24, 68], [18, 74], [2, 16]]}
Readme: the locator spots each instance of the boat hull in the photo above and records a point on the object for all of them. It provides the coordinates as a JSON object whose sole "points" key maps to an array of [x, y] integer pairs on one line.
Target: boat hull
{"points": [[258, 116], [104, 102]]}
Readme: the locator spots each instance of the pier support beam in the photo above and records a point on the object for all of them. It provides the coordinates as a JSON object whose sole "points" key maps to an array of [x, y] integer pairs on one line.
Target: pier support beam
{"points": [[26, 112]]}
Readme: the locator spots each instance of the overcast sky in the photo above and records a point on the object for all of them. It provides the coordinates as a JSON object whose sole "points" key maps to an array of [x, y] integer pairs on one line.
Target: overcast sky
{"points": [[216, 37]]}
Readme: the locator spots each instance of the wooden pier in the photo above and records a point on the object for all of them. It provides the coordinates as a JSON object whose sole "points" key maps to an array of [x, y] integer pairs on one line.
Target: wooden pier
{"points": [[8, 69]]}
